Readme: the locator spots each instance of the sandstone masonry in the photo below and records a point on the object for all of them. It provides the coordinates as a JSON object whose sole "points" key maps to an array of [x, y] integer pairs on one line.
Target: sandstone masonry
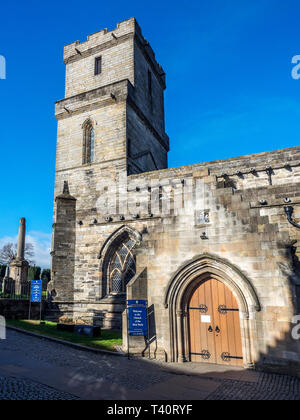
{"points": [[238, 232]]}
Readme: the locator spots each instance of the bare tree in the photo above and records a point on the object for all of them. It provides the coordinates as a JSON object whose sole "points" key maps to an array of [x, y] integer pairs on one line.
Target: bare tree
{"points": [[9, 252]]}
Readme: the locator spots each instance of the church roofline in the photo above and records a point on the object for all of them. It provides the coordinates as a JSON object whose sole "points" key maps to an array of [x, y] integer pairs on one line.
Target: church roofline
{"points": [[283, 156]]}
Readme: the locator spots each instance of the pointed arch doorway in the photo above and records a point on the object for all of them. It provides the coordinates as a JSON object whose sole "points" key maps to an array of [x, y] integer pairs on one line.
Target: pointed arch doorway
{"points": [[214, 325], [179, 293]]}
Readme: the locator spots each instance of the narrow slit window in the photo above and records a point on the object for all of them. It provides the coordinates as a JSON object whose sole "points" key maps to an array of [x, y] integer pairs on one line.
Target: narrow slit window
{"points": [[92, 145], [98, 65], [128, 148], [150, 84]]}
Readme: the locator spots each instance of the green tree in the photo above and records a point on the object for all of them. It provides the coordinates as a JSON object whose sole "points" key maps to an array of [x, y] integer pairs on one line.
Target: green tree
{"points": [[34, 273], [2, 270], [46, 277]]}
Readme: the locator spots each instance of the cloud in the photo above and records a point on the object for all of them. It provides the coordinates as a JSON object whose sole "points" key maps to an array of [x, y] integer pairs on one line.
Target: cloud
{"points": [[42, 246]]}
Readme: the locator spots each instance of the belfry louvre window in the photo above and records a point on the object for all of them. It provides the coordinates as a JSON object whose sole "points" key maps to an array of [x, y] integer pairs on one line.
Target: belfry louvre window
{"points": [[98, 65], [89, 143], [122, 267]]}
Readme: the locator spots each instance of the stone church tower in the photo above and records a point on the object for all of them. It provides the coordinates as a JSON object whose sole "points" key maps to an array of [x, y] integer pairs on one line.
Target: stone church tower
{"points": [[213, 247], [111, 124]]}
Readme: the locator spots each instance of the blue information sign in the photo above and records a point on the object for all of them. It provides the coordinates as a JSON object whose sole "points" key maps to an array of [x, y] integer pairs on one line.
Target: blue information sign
{"points": [[36, 291], [137, 318]]}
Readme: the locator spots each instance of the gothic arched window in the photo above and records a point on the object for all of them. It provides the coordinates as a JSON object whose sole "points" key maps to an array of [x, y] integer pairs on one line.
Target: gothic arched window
{"points": [[121, 268], [119, 265], [88, 143]]}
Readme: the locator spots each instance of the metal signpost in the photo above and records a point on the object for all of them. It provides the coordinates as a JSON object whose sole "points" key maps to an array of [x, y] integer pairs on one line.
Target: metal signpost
{"points": [[137, 320], [36, 295]]}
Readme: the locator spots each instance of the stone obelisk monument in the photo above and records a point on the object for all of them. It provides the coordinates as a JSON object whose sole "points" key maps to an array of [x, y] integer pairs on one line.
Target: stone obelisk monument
{"points": [[19, 266]]}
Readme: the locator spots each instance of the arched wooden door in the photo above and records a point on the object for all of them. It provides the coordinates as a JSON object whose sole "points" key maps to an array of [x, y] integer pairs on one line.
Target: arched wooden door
{"points": [[214, 325]]}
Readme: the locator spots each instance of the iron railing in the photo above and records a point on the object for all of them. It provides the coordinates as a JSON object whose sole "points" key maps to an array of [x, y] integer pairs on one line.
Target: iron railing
{"points": [[9, 290]]}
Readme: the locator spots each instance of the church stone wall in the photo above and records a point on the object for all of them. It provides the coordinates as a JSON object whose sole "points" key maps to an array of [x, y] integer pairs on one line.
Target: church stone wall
{"points": [[237, 219], [152, 106], [255, 237], [142, 155]]}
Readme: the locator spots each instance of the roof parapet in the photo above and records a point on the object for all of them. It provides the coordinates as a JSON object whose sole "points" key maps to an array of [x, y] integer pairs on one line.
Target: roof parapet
{"points": [[126, 27], [100, 37]]}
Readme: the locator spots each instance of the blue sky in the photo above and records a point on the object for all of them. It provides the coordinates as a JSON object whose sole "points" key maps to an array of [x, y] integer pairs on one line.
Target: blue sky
{"points": [[230, 90]]}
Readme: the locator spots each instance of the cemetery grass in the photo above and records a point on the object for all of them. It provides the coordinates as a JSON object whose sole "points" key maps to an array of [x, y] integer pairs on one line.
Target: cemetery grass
{"points": [[108, 340]]}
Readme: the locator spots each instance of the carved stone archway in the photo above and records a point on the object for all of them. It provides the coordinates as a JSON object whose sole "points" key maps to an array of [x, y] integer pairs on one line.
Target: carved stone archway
{"points": [[179, 290]]}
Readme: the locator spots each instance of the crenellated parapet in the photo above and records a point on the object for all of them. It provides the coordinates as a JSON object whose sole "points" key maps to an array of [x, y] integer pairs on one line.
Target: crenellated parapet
{"points": [[104, 39]]}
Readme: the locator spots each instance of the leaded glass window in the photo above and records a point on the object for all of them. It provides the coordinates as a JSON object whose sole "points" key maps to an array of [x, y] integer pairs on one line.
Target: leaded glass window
{"points": [[122, 267]]}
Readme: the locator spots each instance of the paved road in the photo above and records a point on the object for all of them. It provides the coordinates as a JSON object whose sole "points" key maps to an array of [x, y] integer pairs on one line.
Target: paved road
{"points": [[33, 368], [24, 389]]}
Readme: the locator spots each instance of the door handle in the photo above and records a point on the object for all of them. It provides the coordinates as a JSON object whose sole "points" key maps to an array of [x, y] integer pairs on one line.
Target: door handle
{"points": [[210, 329], [218, 330]]}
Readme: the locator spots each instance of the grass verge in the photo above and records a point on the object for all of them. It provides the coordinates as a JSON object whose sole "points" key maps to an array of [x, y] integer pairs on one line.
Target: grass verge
{"points": [[108, 340]]}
